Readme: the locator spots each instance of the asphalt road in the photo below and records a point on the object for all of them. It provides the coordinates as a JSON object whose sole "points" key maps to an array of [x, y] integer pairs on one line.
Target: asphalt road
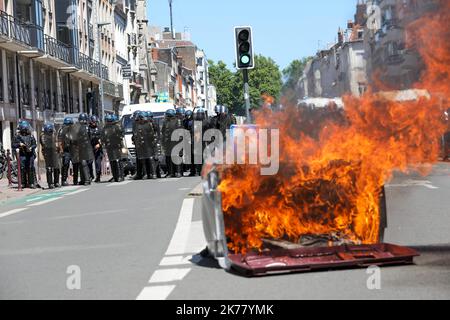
{"points": [[140, 240]]}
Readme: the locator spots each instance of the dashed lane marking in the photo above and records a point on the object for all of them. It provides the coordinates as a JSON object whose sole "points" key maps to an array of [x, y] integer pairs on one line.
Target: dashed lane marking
{"points": [[76, 192], [11, 212], [118, 184], [44, 202], [156, 293], [169, 275], [175, 261], [413, 183]]}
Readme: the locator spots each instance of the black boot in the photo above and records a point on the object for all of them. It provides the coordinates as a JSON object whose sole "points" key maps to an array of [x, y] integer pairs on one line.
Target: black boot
{"points": [[148, 169], [76, 171], [178, 171], [64, 175], [115, 171], [31, 179], [56, 174], [85, 176], [139, 169], [121, 173], [49, 173]]}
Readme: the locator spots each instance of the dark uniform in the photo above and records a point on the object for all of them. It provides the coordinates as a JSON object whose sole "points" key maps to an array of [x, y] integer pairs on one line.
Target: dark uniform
{"points": [[74, 150], [112, 137], [145, 139], [224, 121], [50, 150], [85, 152], [64, 143], [26, 143], [171, 123], [95, 133], [198, 128]]}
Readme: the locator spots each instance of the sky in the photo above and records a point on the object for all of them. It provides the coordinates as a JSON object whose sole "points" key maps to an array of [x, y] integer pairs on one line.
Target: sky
{"points": [[282, 29]]}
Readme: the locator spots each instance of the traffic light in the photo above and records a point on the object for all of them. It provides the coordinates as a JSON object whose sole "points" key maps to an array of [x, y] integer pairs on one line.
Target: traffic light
{"points": [[244, 48]]}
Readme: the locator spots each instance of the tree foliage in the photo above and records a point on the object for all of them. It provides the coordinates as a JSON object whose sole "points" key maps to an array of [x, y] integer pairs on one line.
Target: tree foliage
{"points": [[264, 80]]}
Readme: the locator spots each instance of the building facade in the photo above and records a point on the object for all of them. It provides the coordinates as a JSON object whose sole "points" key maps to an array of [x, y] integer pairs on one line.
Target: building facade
{"points": [[393, 64], [339, 70]]}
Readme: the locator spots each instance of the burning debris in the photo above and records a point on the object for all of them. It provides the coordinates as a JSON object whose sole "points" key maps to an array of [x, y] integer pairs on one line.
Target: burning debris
{"points": [[334, 162]]}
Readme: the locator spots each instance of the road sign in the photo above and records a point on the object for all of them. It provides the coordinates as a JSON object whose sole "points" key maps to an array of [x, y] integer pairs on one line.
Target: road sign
{"points": [[126, 72]]}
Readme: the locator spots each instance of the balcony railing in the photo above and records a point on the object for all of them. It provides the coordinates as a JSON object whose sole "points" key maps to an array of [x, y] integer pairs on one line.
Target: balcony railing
{"points": [[19, 31], [58, 50]]}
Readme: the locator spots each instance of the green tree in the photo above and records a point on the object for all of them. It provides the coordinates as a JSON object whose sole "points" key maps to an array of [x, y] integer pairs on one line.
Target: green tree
{"points": [[291, 75], [293, 72], [265, 79], [224, 81]]}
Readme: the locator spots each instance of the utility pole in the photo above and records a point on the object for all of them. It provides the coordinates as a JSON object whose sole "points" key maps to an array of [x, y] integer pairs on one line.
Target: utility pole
{"points": [[171, 19], [247, 96]]}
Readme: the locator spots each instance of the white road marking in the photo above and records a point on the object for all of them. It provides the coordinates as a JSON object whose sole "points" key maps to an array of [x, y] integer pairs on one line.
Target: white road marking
{"points": [[156, 293], [196, 240], [169, 180], [184, 189], [44, 202], [413, 183], [76, 192], [11, 212], [119, 184], [169, 275], [71, 188], [175, 261], [34, 199], [181, 235]]}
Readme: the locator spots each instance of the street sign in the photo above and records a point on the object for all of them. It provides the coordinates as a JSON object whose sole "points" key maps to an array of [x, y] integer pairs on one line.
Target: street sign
{"points": [[126, 72]]}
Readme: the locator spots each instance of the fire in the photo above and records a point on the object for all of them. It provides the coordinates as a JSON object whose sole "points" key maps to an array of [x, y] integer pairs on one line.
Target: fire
{"points": [[335, 163]]}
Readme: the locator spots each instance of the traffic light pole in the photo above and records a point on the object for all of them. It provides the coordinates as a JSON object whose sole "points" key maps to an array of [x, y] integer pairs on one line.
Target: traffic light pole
{"points": [[247, 96]]}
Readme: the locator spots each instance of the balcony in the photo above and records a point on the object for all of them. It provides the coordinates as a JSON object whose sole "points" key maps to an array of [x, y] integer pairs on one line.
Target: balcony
{"points": [[57, 54], [90, 69], [17, 35]]}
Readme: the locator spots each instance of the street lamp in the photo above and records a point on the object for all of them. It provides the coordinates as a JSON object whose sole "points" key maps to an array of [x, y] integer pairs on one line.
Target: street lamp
{"points": [[102, 106]]}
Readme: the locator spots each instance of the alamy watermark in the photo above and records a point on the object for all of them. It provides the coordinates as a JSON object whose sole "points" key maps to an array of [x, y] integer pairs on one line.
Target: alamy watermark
{"points": [[374, 280], [73, 281], [250, 146]]}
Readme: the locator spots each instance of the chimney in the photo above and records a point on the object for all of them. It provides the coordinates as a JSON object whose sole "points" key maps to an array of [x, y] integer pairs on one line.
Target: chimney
{"points": [[350, 24]]}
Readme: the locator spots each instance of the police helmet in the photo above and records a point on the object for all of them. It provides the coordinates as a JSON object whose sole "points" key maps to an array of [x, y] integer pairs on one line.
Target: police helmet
{"points": [[49, 128], [109, 118], [200, 114], [94, 120], [83, 118], [181, 111], [24, 126], [189, 114], [223, 110], [171, 113], [68, 121]]}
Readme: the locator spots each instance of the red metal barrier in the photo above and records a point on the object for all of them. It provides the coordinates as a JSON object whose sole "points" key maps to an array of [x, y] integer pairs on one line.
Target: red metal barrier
{"points": [[8, 161], [19, 171]]}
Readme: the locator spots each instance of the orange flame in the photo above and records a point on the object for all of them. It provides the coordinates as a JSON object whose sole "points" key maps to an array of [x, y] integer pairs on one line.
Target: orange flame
{"points": [[334, 163]]}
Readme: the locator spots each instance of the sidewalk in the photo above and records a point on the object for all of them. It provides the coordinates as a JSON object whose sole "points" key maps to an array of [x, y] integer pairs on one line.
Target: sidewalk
{"points": [[9, 193]]}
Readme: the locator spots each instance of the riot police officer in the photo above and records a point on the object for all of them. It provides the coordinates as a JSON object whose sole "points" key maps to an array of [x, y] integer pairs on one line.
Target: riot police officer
{"points": [[50, 150], [171, 123], [200, 123], [112, 136], [26, 143], [95, 134], [225, 120], [83, 143], [144, 139], [214, 120], [64, 145]]}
